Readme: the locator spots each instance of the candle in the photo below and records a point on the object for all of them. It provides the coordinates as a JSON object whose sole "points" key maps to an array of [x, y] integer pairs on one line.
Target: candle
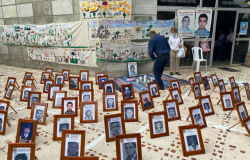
{"points": [[137, 81]]}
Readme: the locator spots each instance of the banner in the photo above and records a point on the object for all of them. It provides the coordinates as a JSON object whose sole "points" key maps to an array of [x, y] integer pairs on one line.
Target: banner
{"points": [[203, 22], [186, 20], [243, 28]]}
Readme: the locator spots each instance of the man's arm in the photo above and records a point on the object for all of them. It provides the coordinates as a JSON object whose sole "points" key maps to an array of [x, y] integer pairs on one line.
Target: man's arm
{"points": [[151, 49]]}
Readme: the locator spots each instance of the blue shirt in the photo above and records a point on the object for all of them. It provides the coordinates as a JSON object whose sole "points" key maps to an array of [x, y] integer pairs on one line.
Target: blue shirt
{"points": [[204, 33], [187, 31], [158, 44]]}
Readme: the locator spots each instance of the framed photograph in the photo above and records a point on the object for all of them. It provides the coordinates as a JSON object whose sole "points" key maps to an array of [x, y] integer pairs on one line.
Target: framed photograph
{"points": [[46, 85], [26, 131], [86, 95], [227, 101], [84, 158], [39, 112], [129, 110], [73, 83], [59, 79], [33, 97], [50, 70], [52, 88], [236, 94], [86, 85], [191, 80], [3, 121], [154, 89], [108, 87], [24, 96], [127, 91], [11, 80], [246, 123], [158, 124], [84, 75], [110, 102], [128, 146], [89, 112], [206, 83], [132, 69], [207, 105], [247, 91], [73, 144], [70, 105], [197, 116], [114, 125], [101, 80], [57, 99], [214, 79], [191, 140], [62, 122], [29, 82], [21, 151], [176, 95], [197, 77], [175, 84], [171, 107], [9, 91], [45, 75], [196, 90], [4, 105], [97, 75], [242, 111], [66, 73], [222, 86], [27, 75], [232, 82], [146, 100]]}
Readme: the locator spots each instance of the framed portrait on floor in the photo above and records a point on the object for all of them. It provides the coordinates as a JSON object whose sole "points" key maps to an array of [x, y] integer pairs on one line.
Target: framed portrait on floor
{"points": [[110, 102], [44, 76], [11, 80], [57, 99], [65, 73], [247, 91], [207, 105], [242, 111], [26, 131], [175, 84], [52, 88], [227, 101], [29, 82], [196, 90], [9, 91], [50, 70], [89, 112], [24, 96], [236, 94], [191, 81], [171, 107], [246, 123], [146, 100], [222, 86], [175, 94], [214, 79], [4, 105], [108, 87], [3, 121], [62, 122], [33, 97], [129, 110], [232, 82], [84, 75], [132, 69], [101, 80], [86, 85], [197, 77], [127, 91], [197, 116], [46, 85], [59, 79], [86, 95], [74, 83], [27, 75], [154, 89], [21, 151], [97, 74], [158, 124], [70, 105], [206, 83], [39, 112]]}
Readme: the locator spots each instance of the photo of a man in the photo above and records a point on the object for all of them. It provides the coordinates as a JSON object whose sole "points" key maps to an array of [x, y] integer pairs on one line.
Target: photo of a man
{"points": [[215, 80], [25, 94], [108, 89], [127, 92], [21, 156], [197, 91], [154, 91], [73, 149], [102, 80], [9, 91], [228, 103], [206, 83], [132, 71], [232, 83], [115, 129], [236, 96], [158, 127], [83, 76], [34, 98], [202, 22], [222, 87], [65, 74], [176, 96], [130, 150], [185, 25], [206, 107], [243, 115], [129, 113], [59, 80], [88, 115], [47, 86], [86, 87], [175, 85], [146, 102], [69, 108], [63, 126], [2, 106], [27, 76], [86, 98], [110, 103], [197, 119], [74, 83], [172, 112], [198, 78], [192, 143], [26, 133], [39, 115]]}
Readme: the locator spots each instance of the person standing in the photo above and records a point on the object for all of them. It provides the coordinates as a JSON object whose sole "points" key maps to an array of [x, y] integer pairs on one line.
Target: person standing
{"points": [[158, 45], [230, 39], [176, 43]]}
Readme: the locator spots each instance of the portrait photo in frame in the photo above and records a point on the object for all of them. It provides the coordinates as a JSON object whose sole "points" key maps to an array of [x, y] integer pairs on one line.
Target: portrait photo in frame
{"points": [[52, 88], [59, 79], [175, 84], [84, 75], [110, 102], [89, 112], [127, 91], [9, 91], [21, 151], [97, 74], [27, 75], [175, 94], [246, 123], [132, 69], [70, 105], [197, 116], [4, 105], [206, 83], [232, 82], [171, 107], [227, 101], [242, 111], [236, 94], [66, 73], [3, 121], [86, 95], [57, 99], [196, 90], [101, 80], [191, 81], [108, 87], [129, 110], [146, 100], [44, 76], [207, 105], [84, 158], [11, 80], [86, 85], [39, 112], [29, 82], [33, 97], [154, 89], [197, 77], [26, 126], [50, 70], [222, 86], [73, 83], [46, 85], [214, 79], [247, 89], [24, 96]]}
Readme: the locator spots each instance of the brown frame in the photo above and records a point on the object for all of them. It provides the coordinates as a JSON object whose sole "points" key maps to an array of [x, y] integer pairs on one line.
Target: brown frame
{"points": [[136, 119], [76, 105], [84, 158], [210, 103], [29, 79], [62, 79], [245, 109], [44, 113], [99, 84], [179, 87], [132, 91], [5, 113], [202, 115], [106, 118], [244, 123], [222, 102], [238, 90], [176, 89], [6, 85], [6, 102], [83, 82], [157, 87], [104, 101], [21, 95], [150, 115], [64, 132], [70, 88], [199, 136], [105, 83], [24, 77], [141, 100], [68, 74], [189, 80], [86, 90], [55, 137], [247, 85], [80, 75], [19, 129], [96, 77], [176, 106], [54, 99], [53, 85], [41, 82], [231, 82], [200, 77], [8, 98], [11, 146], [39, 98], [221, 80], [211, 76], [194, 90], [82, 105], [51, 73], [205, 77], [125, 136]]}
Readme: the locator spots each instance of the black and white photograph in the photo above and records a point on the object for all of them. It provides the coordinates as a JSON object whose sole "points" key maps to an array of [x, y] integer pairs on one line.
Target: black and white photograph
{"points": [[2, 116], [127, 92], [129, 111], [146, 100], [176, 96], [191, 140], [227, 101], [38, 113], [115, 127], [236, 95], [86, 96], [65, 75], [158, 124], [86, 86], [89, 112], [3, 106], [171, 110], [242, 112], [153, 90], [84, 76], [110, 101], [21, 154], [11, 81], [52, 89], [109, 88], [206, 83], [28, 83], [33, 98], [27, 76], [197, 91], [198, 78], [232, 82], [222, 87], [59, 80], [26, 93], [58, 99], [63, 123], [44, 77], [47, 85], [74, 83], [129, 149], [197, 116], [215, 80], [73, 145], [9, 91], [206, 106], [69, 106]]}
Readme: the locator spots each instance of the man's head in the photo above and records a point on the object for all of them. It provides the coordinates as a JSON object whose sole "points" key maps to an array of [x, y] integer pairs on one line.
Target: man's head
{"points": [[185, 21], [110, 101], [191, 140], [127, 91], [59, 80], [171, 112], [197, 116], [88, 113], [26, 94], [86, 87], [115, 128], [73, 148], [227, 102], [21, 157], [174, 85], [86, 98], [65, 126], [145, 100], [132, 68], [158, 125], [202, 21], [34, 99], [39, 114], [108, 89], [204, 45], [130, 148], [1, 121], [206, 106], [69, 106], [129, 113], [26, 129], [151, 34]]}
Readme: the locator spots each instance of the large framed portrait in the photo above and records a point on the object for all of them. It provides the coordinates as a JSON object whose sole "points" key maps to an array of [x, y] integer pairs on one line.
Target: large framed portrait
{"points": [[132, 69], [86, 85], [227, 101], [247, 91], [46, 85], [197, 77], [110, 102], [222, 86], [108, 87], [86, 95], [175, 84], [50, 70], [73, 83], [9, 91], [128, 146], [52, 88], [11, 80], [191, 140], [242, 111], [101, 80], [29, 82], [246, 123], [176, 95], [70, 105], [89, 112], [232, 82], [24, 96], [158, 124], [4, 105], [26, 131], [39, 112], [214, 79], [196, 90], [205, 83], [127, 91], [236, 94], [129, 110], [27, 75], [84, 158], [57, 99], [3, 121], [33, 97], [62, 122], [114, 125], [21, 151], [84, 75], [66, 73], [146, 100], [207, 105], [73, 144], [191, 80], [154, 89], [44, 76], [59, 79], [97, 74], [197, 116], [171, 107]]}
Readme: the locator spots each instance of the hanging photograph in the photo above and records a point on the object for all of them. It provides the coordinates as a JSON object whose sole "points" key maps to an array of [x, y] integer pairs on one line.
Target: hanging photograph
{"points": [[205, 46], [243, 28], [186, 20], [203, 22]]}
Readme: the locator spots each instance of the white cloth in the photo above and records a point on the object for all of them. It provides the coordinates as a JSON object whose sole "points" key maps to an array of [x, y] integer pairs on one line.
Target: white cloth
{"points": [[230, 36], [174, 42]]}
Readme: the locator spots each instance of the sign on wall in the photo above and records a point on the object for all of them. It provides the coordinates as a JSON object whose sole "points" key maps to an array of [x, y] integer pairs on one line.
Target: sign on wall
{"points": [[243, 28], [203, 22], [186, 20]]}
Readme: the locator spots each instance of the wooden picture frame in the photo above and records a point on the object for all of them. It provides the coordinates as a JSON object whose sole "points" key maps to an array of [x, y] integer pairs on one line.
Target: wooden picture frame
{"points": [[108, 87], [176, 95], [86, 95], [175, 84], [24, 96], [246, 123], [232, 82], [81, 144], [92, 109], [83, 75], [86, 85], [242, 111], [111, 122], [59, 79], [13, 147], [11, 80], [50, 70], [9, 91], [84, 158], [236, 94], [158, 124], [57, 102], [102, 79], [206, 83], [74, 104], [146, 100], [222, 86], [129, 89], [227, 101], [66, 73], [171, 107], [46, 85], [247, 89], [39, 112], [31, 126], [52, 88], [214, 79], [33, 98], [196, 90], [73, 83], [45, 75], [29, 82], [129, 110], [61, 122], [191, 81], [134, 139], [110, 102], [207, 105], [26, 76], [4, 105], [197, 116], [3, 121], [193, 133], [97, 74], [153, 87], [197, 77]]}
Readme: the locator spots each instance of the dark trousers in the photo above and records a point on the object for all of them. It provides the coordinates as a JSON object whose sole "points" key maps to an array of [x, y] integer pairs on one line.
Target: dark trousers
{"points": [[159, 64]]}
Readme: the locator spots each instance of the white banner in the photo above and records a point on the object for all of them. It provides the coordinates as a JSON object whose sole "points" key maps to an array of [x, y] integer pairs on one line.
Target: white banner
{"points": [[203, 22]]}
